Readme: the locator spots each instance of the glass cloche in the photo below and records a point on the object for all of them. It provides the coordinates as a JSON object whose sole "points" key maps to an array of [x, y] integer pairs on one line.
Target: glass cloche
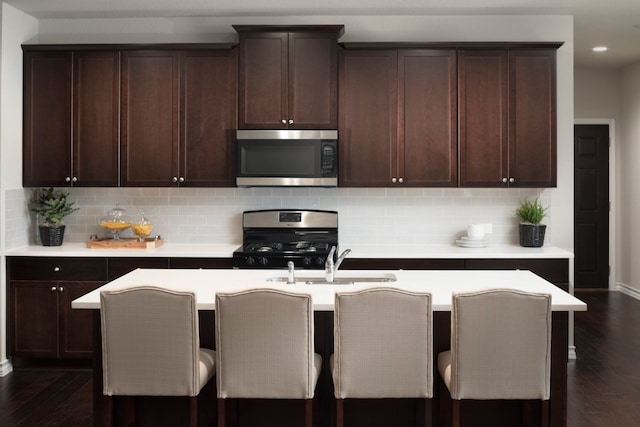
{"points": [[116, 221], [142, 226]]}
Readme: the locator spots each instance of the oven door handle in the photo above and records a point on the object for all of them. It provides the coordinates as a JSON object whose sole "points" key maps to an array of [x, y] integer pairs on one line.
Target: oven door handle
{"points": [[305, 233]]}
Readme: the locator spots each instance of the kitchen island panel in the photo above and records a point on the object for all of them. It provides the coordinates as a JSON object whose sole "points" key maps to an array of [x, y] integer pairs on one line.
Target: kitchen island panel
{"points": [[440, 283]]}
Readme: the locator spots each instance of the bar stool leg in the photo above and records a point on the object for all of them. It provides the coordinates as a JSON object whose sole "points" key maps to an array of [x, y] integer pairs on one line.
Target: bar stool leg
{"points": [[308, 412], [339, 412]]}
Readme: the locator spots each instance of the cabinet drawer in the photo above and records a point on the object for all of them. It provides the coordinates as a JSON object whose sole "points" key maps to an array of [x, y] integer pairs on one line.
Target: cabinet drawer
{"points": [[54, 268], [121, 266], [401, 264], [208, 263], [554, 270]]}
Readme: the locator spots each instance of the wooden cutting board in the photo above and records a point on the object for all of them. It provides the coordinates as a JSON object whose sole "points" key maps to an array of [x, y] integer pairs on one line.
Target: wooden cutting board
{"points": [[124, 242]]}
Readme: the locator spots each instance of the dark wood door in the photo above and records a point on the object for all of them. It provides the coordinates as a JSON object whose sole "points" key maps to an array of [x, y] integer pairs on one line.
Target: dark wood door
{"points": [[483, 114], [75, 326], [33, 319], [208, 118], [368, 118], [150, 119], [532, 118], [427, 131], [591, 206], [313, 81], [96, 121], [47, 119], [263, 81]]}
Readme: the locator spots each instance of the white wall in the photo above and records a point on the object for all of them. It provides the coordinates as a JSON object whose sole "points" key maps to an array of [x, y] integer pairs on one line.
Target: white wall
{"points": [[596, 93], [17, 27], [629, 178]]}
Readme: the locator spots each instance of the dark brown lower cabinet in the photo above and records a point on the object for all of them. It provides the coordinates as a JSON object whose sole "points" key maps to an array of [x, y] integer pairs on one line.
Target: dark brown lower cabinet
{"points": [[42, 323]]}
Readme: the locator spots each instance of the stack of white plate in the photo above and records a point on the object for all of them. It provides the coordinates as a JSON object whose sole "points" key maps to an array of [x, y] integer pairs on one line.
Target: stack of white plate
{"points": [[466, 242]]}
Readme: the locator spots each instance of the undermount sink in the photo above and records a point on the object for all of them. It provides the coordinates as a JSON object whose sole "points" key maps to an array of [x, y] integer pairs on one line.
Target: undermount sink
{"points": [[347, 280]]}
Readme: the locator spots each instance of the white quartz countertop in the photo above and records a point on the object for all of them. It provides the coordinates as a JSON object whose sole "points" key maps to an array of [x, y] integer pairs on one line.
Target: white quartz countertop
{"points": [[440, 283], [225, 250]]}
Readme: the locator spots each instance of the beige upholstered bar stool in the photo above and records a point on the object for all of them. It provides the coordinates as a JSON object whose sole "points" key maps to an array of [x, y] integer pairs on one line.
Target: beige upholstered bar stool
{"points": [[151, 346], [382, 347], [500, 348], [265, 348]]}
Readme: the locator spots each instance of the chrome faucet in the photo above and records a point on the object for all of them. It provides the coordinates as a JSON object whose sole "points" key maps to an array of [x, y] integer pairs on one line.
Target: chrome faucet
{"points": [[330, 267], [292, 273]]}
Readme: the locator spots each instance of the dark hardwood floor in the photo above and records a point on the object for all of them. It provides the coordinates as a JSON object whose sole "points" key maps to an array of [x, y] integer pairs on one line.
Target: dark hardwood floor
{"points": [[604, 382]]}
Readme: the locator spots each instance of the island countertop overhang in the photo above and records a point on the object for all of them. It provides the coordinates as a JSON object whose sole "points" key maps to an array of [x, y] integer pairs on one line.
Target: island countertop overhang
{"points": [[440, 283]]}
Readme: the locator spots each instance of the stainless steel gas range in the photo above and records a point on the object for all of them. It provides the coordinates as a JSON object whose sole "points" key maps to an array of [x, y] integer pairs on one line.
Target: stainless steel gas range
{"points": [[272, 238]]}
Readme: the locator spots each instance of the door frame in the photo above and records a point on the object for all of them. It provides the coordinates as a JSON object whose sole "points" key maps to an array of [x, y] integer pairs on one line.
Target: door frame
{"points": [[612, 192]]}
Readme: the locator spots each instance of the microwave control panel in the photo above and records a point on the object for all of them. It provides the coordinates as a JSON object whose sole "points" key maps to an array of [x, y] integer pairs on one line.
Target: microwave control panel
{"points": [[328, 159]]}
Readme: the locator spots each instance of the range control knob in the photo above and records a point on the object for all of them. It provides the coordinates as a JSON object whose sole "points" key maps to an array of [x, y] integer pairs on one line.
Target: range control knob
{"points": [[306, 261], [319, 261], [250, 260], [263, 261]]}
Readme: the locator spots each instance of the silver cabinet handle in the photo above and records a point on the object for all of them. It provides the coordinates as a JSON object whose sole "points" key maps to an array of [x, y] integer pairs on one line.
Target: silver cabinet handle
{"points": [[394, 180], [283, 121], [181, 179], [174, 179], [60, 289], [512, 179], [56, 268], [53, 289], [504, 180], [290, 121], [401, 180], [74, 179], [67, 179]]}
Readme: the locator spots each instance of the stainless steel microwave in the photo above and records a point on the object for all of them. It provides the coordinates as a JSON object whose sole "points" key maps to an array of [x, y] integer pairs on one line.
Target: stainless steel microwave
{"points": [[273, 158]]}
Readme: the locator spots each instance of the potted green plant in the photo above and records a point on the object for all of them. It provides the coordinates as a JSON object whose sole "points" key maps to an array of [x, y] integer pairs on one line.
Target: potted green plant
{"points": [[52, 206], [531, 214]]}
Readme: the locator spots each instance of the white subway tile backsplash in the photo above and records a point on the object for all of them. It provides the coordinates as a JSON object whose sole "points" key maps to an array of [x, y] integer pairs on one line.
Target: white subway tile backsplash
{"points": [[214, 215]]}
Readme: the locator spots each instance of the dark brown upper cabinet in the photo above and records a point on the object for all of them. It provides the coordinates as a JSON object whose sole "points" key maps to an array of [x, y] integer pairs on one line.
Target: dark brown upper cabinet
{"points": [[178, 118], [71, 124], [288, 76], [397, 121], [507, 111]]}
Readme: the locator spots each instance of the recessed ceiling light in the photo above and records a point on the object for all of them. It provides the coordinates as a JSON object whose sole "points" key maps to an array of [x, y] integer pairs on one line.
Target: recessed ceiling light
{"points": [[600, 49]]}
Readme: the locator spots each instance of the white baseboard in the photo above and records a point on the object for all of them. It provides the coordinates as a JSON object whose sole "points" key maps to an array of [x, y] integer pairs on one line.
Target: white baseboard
{"points": [[572, 352], [628, 290], [5, 367]]}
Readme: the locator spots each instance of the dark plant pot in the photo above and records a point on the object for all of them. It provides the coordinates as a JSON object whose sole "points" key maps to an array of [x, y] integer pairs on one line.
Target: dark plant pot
{"points": [[51, 236], [532, 235]]}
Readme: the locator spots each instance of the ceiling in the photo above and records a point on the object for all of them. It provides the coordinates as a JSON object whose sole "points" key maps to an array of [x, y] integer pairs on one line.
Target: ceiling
{"points": [[614, 23]]}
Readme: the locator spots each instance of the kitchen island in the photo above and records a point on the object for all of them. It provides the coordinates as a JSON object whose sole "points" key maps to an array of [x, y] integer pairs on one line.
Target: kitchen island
{"points": [[397, 412]]}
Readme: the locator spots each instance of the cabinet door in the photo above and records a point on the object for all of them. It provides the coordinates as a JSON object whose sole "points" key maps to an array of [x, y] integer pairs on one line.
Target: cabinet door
{"points": [[427, 131], [367, 118], [208, 118], [33, 319], [47, 119], [76, 326], [532, 118], [482, 86], [96, 106], [263, 81], [313, 78], [150, 114]]}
